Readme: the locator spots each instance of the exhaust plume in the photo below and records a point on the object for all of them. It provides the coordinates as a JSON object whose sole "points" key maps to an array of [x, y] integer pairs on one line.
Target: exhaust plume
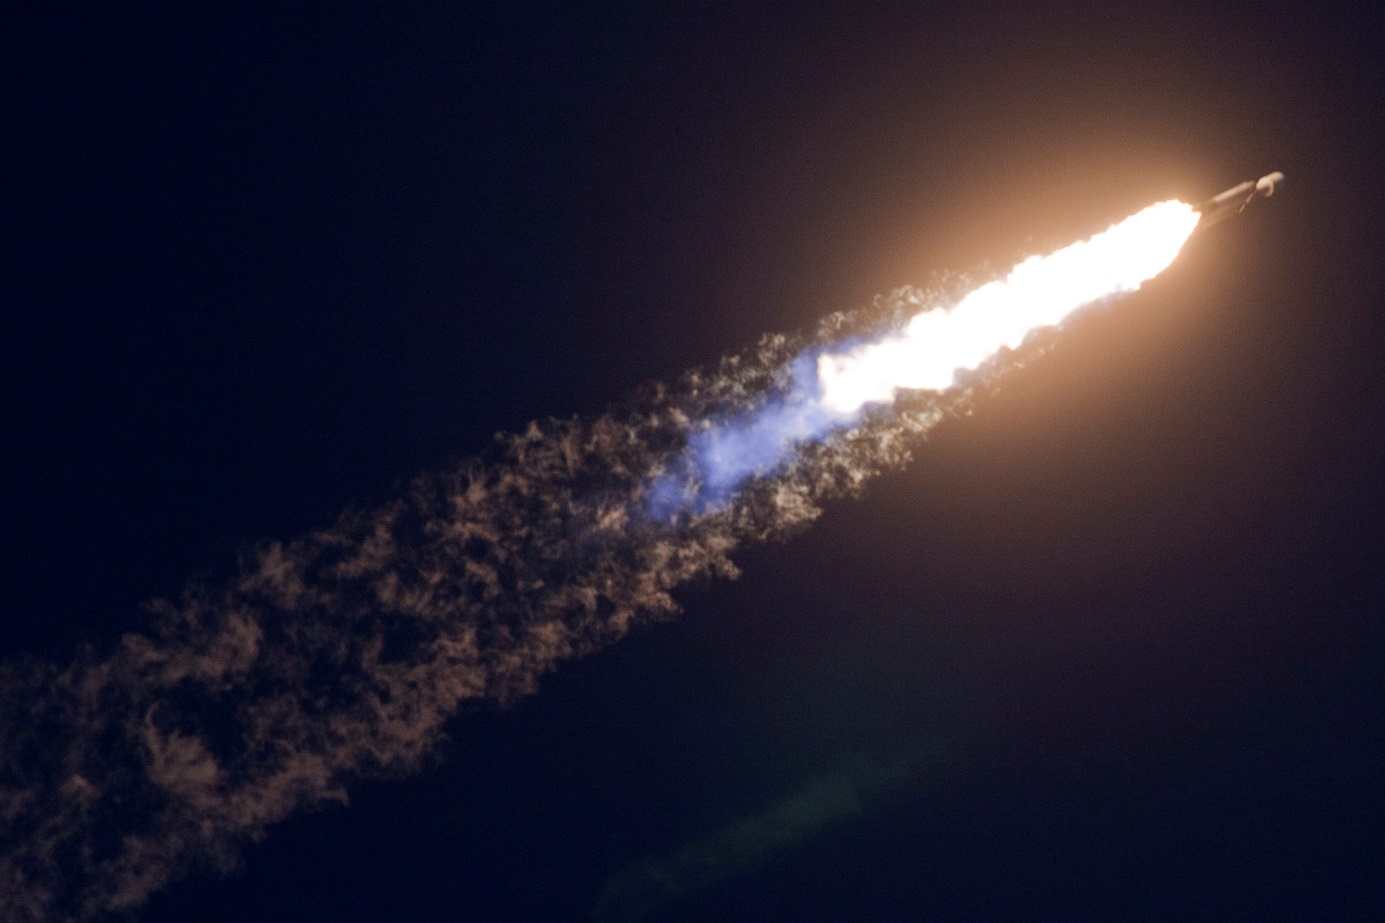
{"points": [[830, 388], [342, 654]]}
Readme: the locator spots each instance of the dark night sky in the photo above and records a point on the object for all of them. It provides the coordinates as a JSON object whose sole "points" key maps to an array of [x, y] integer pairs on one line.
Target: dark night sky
{"points": [[1110, 648]]}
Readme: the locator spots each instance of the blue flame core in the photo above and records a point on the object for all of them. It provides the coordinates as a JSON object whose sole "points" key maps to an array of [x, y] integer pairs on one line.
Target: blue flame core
{"points": [[721, 458]]}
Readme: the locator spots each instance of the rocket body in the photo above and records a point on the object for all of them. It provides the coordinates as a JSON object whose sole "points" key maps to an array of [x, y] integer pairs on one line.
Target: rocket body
{"points": [[1234, 200]]}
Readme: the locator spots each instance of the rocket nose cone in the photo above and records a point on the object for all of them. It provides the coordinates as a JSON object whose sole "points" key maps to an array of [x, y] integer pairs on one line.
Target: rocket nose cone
{"points": [[1266, 185]]}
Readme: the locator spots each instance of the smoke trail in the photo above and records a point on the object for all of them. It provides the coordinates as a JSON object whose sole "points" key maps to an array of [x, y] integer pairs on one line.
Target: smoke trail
{"points": [[342, 654]]}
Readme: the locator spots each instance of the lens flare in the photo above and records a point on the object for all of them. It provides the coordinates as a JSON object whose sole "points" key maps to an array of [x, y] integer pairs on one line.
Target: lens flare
{"points": [[1038, 293]]}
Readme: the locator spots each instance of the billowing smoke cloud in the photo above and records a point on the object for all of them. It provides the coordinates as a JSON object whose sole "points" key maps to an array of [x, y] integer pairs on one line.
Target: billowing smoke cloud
{"points": [[342, 654]]}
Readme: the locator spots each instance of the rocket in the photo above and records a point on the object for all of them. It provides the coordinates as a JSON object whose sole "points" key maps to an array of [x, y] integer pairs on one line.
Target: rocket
{"points": [[1234, 200]]}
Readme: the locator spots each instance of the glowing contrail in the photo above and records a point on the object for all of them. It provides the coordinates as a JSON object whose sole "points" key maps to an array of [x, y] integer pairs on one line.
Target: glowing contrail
{"points": [[344, 653]]}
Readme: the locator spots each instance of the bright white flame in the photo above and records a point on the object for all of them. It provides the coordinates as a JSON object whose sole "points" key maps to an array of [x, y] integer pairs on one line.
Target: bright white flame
{"points": [[1039, 292]]}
